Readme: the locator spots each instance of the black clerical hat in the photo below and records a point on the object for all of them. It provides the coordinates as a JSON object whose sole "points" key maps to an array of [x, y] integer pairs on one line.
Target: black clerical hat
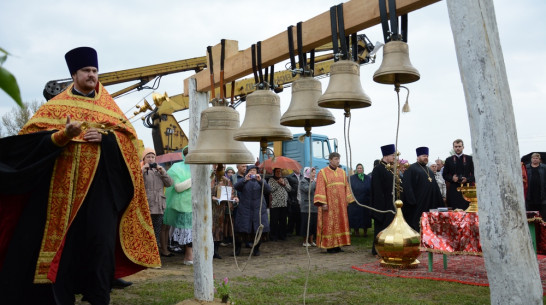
{"points": [[421, 151], [388, 149], [81, 57]]}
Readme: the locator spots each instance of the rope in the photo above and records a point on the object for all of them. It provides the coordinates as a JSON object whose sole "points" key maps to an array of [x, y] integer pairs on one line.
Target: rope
{"points": [[308, 219], [397, 89], [346, 128], [125, 113], [259, 232]]}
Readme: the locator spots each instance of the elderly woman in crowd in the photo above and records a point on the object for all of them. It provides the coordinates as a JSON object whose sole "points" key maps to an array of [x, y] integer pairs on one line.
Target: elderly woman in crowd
{"points": [[155, 180], [279, 205], [179, 211], [308, 210], [252, 209], [219, 184], [440, 180], [360, 217]]}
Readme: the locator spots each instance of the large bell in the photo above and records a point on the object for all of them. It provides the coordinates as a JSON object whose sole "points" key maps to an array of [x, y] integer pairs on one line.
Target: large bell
{"points": [[344, 89], [215, 143], [396, 67], [304, 110], [263, 113]]}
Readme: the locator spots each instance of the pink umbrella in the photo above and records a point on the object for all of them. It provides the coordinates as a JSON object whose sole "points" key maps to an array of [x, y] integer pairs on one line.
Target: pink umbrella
{"points": [[170, 157], [281, 162]]}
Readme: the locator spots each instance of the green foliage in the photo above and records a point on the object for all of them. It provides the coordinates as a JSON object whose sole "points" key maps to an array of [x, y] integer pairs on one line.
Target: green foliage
{"points": [[353, 287], [222, 288], [8, 83], [168, 292], [340, 287]]}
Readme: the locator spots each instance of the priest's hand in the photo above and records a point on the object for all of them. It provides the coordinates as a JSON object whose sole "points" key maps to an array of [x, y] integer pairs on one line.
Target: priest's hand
{"points": [[72, 129], [92, 135], [325, 207]]}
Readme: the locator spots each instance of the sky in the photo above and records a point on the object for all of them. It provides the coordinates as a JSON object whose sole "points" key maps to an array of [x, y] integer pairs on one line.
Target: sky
{"points": [[132, 34]]}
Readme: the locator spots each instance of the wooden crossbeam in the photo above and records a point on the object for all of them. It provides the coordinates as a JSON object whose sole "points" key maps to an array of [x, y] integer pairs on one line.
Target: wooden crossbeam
{"points": [[358, 15]]}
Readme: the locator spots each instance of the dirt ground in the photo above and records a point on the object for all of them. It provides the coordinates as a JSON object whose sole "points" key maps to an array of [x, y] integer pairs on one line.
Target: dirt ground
{"points": [[276, 258]]}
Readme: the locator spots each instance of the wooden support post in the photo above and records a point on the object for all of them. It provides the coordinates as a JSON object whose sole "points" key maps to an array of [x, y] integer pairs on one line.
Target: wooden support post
{"points": [[358, 15], [510, 261], [202, 207]]}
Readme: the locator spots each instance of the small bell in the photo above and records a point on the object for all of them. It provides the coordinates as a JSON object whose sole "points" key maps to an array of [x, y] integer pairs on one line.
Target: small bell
{"points": [[344, 89], [304, 110], [406, 107], [215, 143], [398, 244], [396, 67], [261, 124]]}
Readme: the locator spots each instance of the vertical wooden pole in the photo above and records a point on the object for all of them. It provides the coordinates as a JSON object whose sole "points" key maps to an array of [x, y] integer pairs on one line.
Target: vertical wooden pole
{"points": [[510, 261], [202, 206]]}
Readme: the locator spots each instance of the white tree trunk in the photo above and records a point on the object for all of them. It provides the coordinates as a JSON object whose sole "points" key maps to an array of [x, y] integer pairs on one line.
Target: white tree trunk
{"points": [[202, 207], [510, 261]]}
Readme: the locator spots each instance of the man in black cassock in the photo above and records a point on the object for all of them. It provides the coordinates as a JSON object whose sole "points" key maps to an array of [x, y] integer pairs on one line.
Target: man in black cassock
{"points": [[458, 169], [421, 190], [382, 192]]}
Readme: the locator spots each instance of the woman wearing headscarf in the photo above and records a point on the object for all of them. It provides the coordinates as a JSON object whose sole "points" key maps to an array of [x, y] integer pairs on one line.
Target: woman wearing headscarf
{"points": [[252, 209], [155, 180], [359, 217], [279, 205], [178, 213], [219, 183], [307, 190]]}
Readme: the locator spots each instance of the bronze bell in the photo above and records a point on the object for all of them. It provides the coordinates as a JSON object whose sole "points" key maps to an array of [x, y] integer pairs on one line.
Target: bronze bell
{"points": [[304, 110], [261, 124], [398, 244], [396, 67], [344, 90], [215, 143]]}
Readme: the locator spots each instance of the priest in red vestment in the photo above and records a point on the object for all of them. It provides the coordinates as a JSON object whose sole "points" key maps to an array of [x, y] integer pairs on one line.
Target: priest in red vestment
{"points": [[73, 207], [332, 195]]}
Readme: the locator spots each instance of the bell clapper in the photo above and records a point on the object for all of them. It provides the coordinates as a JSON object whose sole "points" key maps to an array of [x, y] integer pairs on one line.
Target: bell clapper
{"points": [[263, 146], [308, 131], [347, 110]]}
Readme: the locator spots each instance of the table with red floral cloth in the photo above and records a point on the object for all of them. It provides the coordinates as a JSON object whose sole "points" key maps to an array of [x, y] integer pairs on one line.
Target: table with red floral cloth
{"points": [[457, 232], [450, 233]]}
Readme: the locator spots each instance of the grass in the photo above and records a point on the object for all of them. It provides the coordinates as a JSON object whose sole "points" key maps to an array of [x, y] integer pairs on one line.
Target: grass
{"points": [[339, 287], [353, 288], [342, 287]]}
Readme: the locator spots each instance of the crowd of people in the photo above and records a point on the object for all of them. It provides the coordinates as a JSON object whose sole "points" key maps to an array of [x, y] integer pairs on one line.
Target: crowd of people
{"points": [[332, 207]]}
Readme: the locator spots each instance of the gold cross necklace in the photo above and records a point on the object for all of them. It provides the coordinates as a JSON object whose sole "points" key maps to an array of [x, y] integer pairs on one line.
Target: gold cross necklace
{"points": [[426, 171]]}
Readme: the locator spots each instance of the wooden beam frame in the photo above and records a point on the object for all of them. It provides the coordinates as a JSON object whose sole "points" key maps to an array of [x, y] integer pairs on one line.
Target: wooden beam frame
{"points": [[358, 15]]}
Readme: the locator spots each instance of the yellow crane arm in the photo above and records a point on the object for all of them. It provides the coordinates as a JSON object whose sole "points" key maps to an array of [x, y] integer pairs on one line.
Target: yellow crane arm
{"points": [[142, 74]]}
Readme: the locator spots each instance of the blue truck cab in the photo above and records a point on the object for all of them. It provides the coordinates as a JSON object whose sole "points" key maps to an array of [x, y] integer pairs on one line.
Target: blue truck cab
{"points": [[298, 150]]}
